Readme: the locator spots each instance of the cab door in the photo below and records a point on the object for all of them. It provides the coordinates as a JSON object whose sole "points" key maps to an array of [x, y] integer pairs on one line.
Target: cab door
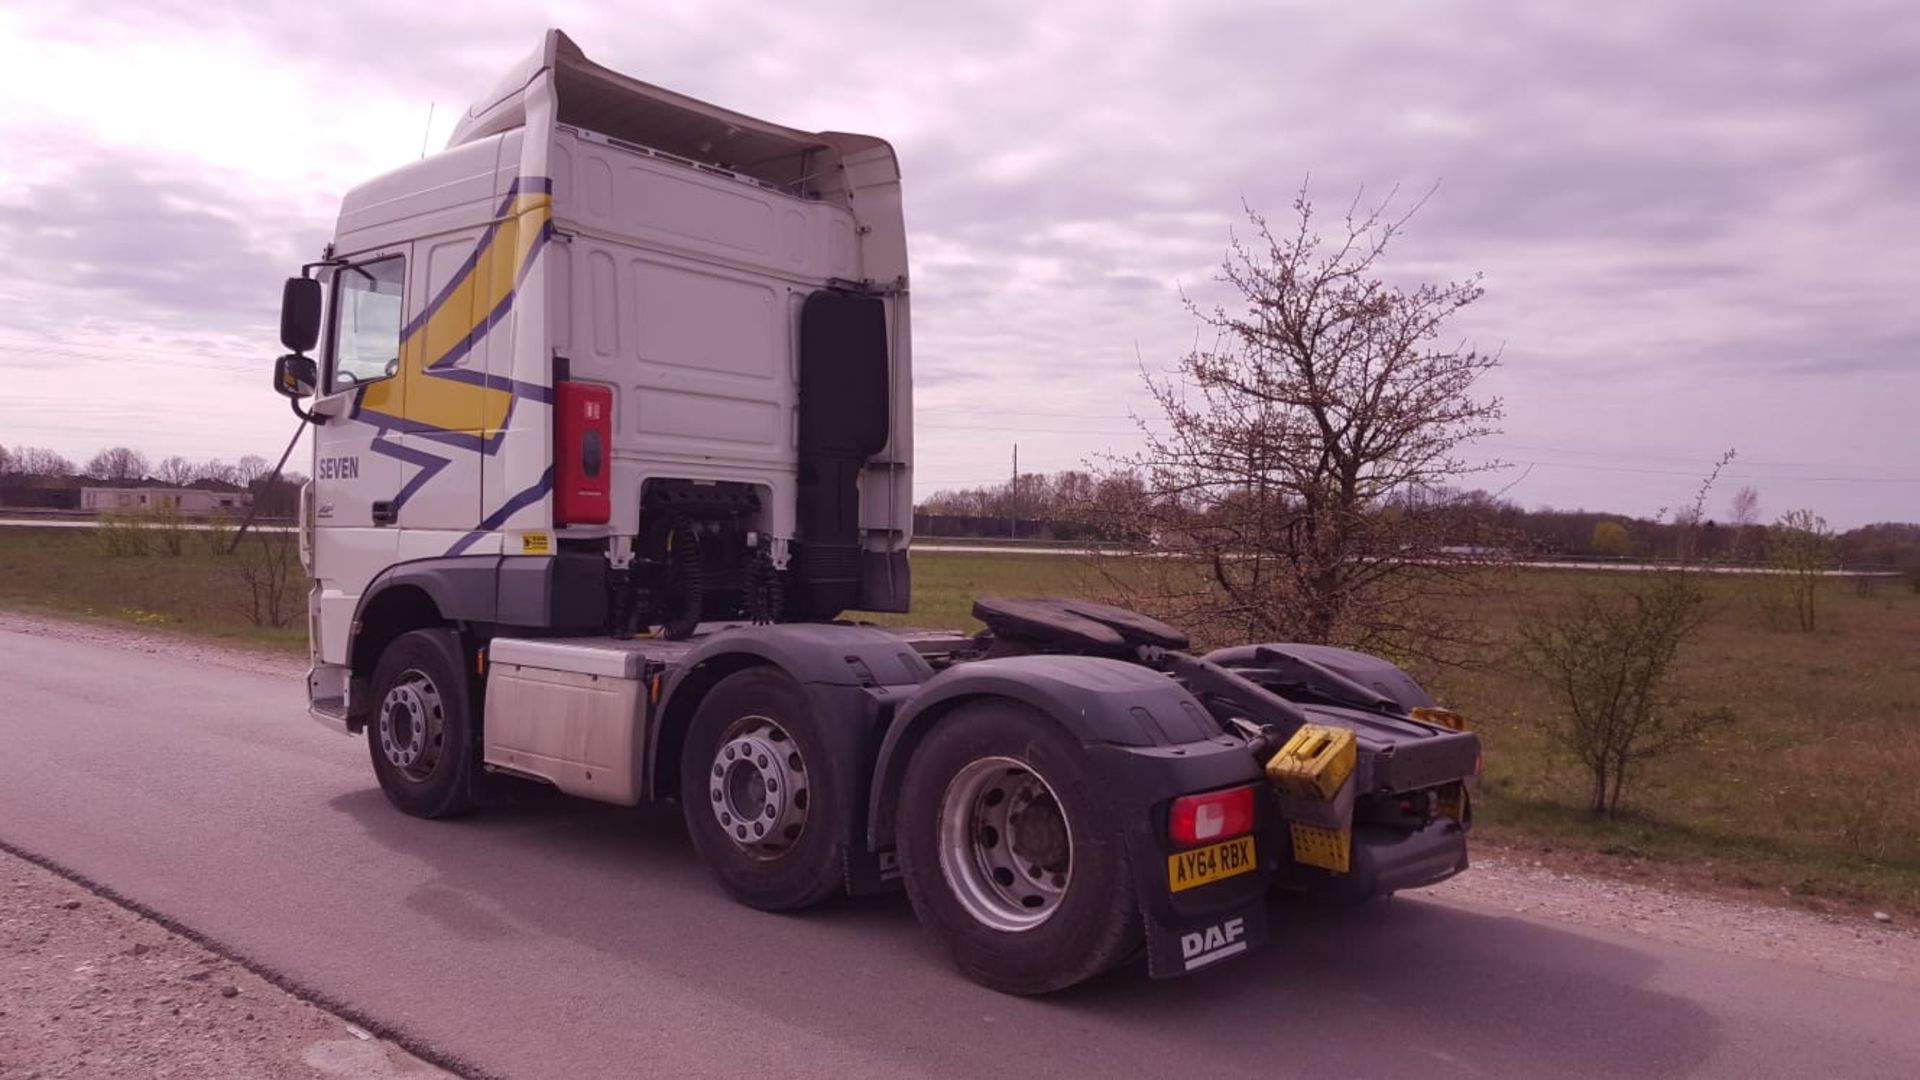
{"points": [[446, 444], [357, 470]]}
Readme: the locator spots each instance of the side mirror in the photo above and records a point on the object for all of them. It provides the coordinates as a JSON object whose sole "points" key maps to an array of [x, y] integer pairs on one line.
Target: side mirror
{"points": [[300, 314], [295, 376]]}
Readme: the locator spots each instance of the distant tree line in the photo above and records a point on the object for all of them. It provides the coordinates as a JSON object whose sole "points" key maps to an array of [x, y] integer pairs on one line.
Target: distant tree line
{"points": [[1075, 506], [37, 477]]}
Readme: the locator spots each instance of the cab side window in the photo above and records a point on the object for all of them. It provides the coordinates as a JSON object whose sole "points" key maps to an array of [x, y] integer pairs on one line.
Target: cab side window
{"points": [[367, 308]]}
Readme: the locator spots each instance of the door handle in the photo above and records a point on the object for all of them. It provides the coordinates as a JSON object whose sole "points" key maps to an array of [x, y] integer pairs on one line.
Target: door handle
{"points": [[385, 512]]}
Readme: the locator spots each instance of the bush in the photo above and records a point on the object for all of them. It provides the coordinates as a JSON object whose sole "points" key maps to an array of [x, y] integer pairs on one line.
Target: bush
{"points": [[1800, 547], [168, 527], [268, 572], [216, 534], [1608, 659], [122, 534]]}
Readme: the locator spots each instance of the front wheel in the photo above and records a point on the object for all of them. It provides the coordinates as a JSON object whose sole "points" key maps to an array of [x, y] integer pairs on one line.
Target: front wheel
{"points": [[421, 731], [1005, 857]]}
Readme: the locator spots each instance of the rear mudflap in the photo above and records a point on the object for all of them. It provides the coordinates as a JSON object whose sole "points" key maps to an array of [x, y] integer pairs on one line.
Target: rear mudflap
{"points": [[1186, 945], [1196, 927]]}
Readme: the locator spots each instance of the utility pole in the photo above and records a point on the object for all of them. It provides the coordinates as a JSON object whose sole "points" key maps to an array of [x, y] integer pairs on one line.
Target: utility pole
{"points": [[1013, 497]]}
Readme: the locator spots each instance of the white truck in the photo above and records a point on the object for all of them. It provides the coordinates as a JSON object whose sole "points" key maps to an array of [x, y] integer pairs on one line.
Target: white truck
{"points": [[612, 407]]}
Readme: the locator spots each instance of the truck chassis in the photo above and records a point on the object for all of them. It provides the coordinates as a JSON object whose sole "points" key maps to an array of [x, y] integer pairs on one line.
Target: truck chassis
{"points": [[1058, 794]]}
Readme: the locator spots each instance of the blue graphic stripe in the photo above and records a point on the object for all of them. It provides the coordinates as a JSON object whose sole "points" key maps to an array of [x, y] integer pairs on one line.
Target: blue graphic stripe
{"points": [[507, 509], [537, 185], [430, 465], [494, 317]]}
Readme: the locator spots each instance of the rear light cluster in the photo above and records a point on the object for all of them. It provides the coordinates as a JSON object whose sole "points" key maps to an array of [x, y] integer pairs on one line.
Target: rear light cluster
{"points": [[1211, 816]]}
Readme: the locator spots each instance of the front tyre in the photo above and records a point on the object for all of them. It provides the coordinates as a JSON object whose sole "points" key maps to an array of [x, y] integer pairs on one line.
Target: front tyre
{"points": [[765, 797], [420, 734], [1005, 856]]}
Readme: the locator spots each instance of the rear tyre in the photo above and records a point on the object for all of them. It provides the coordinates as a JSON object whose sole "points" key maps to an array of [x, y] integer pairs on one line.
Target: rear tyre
{"points": [[421, 731], [764, 795], [1005, 856]]}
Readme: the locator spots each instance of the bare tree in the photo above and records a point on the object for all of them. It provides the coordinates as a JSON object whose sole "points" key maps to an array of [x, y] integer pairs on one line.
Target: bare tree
{"points": [[1744, 514], [250, 468], [118, 464], [37, 461], [1800, 547], [175, 471], [218, 471], [1306, 459]]}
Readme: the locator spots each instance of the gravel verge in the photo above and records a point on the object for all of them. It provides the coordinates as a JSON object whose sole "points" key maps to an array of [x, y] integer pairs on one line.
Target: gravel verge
{"points": [[1508, 882], [89, 988]]}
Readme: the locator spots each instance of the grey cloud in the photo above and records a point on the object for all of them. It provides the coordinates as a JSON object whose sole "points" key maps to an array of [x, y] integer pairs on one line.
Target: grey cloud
{"points": [[128, 236], [1684, 192]]}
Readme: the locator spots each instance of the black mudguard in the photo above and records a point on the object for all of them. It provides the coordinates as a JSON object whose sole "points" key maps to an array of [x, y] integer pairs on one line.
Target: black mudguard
{"points": [[1379, 675], [854, 675], [1148, 741]]}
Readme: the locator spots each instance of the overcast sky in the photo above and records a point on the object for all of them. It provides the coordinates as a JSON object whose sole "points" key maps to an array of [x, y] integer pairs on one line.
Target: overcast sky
{"points": [[1698, 221]]}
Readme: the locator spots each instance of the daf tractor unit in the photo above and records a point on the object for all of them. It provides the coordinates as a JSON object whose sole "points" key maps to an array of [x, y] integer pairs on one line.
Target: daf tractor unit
{"points": [[613, 425]]}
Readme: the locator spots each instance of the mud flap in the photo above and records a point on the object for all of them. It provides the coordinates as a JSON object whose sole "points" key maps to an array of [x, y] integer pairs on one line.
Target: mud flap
{"points": [[1180, 948], [871, 872]]}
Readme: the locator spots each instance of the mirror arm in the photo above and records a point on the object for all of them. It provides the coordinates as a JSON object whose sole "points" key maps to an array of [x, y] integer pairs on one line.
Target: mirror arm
{"points": [[307, 269], [314, 418]]}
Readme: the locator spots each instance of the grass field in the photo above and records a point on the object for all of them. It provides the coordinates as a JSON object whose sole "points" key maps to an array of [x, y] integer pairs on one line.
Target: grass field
{"points": [[195, 592], [1815, 789]]}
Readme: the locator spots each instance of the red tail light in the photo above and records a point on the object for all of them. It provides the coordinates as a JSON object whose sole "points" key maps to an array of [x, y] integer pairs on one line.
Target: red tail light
{"points": [[1210, 816]]}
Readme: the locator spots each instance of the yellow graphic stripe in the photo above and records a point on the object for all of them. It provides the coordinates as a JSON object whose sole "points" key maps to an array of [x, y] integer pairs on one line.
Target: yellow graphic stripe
{"points": [[427, 398]]}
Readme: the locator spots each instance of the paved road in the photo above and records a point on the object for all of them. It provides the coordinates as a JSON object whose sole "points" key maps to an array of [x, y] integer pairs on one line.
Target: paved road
{"points": [[561, 939]]}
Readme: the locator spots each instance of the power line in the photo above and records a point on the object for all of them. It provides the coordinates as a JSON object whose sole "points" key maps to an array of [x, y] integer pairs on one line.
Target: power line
{"points": [[1698, 473]]}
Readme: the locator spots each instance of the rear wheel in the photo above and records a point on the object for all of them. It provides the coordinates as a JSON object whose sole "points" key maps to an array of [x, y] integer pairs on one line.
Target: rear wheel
{"points": [[764, 796], [1004, 855], [420, 734]]}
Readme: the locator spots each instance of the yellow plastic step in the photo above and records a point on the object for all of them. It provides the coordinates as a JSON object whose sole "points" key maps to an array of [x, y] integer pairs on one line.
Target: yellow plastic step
{"points": [[1314, 763]]}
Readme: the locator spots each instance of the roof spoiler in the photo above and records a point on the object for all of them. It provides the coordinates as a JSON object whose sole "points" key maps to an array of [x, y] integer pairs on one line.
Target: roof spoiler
{"points": [[603, 101]]}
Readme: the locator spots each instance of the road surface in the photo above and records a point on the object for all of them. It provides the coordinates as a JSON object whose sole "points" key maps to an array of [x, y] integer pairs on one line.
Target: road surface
{"points": [[552, 938]]}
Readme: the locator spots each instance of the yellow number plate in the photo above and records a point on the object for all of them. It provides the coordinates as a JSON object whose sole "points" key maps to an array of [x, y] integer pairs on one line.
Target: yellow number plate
{"points": [[1201, 866]]}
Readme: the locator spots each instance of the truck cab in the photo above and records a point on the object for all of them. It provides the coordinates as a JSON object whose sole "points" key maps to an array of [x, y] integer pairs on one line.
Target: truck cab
{"points": [[605, 319], [612, 407]]}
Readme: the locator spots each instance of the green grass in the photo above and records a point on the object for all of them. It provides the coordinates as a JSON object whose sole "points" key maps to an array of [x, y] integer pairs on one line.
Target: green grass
{"points": [[1815, 788], [196, 592]]}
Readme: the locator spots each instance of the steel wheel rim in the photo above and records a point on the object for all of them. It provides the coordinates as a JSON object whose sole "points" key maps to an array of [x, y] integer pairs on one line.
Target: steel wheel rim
{"points": [[1006, 848], [757, 788], [413, 725]]}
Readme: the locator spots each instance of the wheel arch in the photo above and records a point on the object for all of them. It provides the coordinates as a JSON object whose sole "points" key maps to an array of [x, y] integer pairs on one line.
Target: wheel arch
{"points": [[821, 658], [384, 616], [1096, 700]]}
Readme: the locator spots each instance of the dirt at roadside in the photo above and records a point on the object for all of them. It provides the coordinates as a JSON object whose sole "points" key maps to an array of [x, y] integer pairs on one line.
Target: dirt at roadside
{"points": [[91, 989], [258, 661], [1513, 881]]}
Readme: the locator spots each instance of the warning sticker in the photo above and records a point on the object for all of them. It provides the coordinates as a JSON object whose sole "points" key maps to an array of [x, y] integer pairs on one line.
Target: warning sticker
{"points": [[534, 543]]}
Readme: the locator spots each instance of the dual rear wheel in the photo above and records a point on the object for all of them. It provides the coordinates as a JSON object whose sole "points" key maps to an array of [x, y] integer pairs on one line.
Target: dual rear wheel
{"points": [[1002, 851]]}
